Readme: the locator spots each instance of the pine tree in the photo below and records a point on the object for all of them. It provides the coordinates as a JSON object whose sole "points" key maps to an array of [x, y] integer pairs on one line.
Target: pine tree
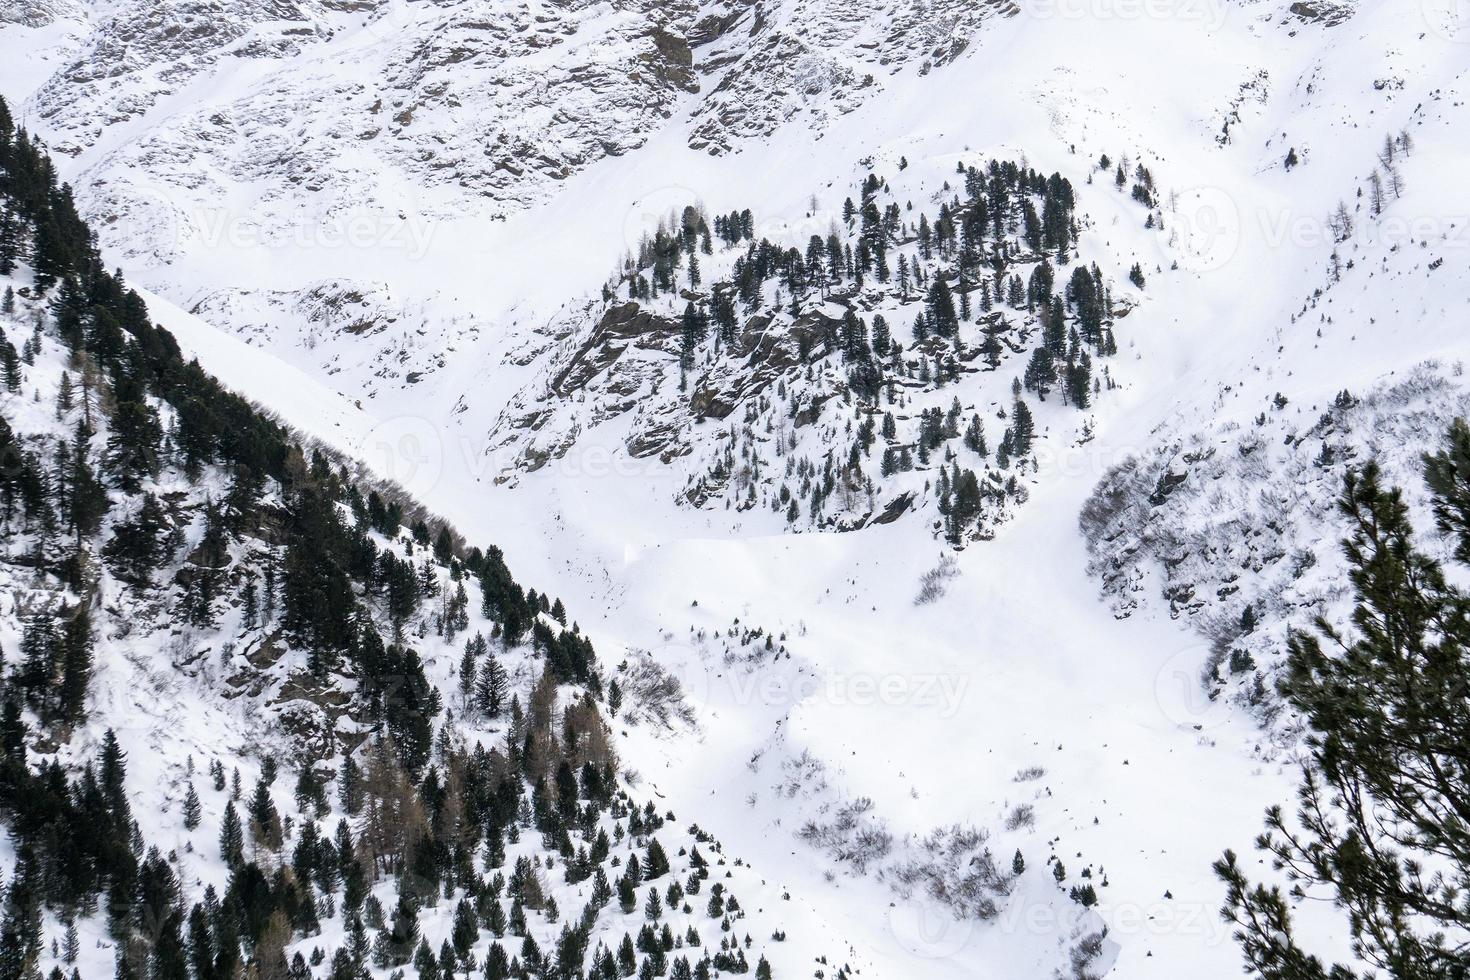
{"points": [[655, 862], [64, 396], [627, 896], [10, 366], [113, 774], [1384, 796], [131, 454], [265, 821], [467, 671], [86, 498], [491, 689], [692, 333], [139, 545], [965, 503], [941, 309], [627, 956], [1022, 428], [349, 789], [232, 838], [497, 965], [495, 919], [20, 927], [466, 929], [990, 347], [76, 666], [1040, 371], [403, 934], [40, 650], [192, 809]]}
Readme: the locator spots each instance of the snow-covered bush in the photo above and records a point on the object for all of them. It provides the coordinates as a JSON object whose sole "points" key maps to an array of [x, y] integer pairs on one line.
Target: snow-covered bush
{"points": [[934, 583]]}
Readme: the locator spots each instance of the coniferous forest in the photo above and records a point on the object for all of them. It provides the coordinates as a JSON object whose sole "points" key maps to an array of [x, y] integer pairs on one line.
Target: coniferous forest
{"points": [[140, 497]]}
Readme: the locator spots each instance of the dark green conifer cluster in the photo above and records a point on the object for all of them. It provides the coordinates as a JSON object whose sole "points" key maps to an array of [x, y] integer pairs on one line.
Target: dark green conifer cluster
{"points": [[991, 280]]}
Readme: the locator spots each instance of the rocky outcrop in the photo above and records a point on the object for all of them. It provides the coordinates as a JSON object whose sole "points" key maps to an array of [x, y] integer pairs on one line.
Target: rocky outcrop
{"points": [[621, 327]]}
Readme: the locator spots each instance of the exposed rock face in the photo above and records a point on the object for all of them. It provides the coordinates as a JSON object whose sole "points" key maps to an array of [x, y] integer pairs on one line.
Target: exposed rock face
{"points": [[339, 324], [37, 13], [1325, 12], [786, 60], [310, 107], [192, 125], [621, 328]]}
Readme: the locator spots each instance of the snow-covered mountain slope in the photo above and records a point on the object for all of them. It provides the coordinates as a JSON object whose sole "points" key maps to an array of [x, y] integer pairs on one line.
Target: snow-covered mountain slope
{"points": [[155, 591], [442, 312], [372, 106], [756, 360], [1236, 528]]}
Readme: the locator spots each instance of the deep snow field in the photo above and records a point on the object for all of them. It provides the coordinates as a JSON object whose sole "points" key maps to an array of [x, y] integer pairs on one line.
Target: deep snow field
{"points": [[932, 712]]}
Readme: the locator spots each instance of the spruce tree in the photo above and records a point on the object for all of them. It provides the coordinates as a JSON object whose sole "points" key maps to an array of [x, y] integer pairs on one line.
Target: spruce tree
{"points": [[491, 689], [403, 935], [1022, 427], [497, 965], [76, 666], [192, 809], [941, 309], [232, 838], [655, 862]]}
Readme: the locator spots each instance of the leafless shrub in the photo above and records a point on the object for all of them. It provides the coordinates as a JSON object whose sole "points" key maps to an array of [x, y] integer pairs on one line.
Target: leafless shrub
{"points": [[1029, 774], [1084, 957], [1117, 492], [958, 870], [935, 582], [1022, 816], [653, 694], [854, 835]]}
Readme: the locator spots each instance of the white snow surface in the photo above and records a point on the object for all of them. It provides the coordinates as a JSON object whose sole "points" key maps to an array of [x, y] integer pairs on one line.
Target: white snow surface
{"points": [[928, 711]]}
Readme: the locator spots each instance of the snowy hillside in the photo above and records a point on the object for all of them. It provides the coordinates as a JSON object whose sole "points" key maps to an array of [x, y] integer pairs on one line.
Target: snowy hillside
{"points": [[1236, 529], [200, 606], [757, 361], [458, 242]]}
